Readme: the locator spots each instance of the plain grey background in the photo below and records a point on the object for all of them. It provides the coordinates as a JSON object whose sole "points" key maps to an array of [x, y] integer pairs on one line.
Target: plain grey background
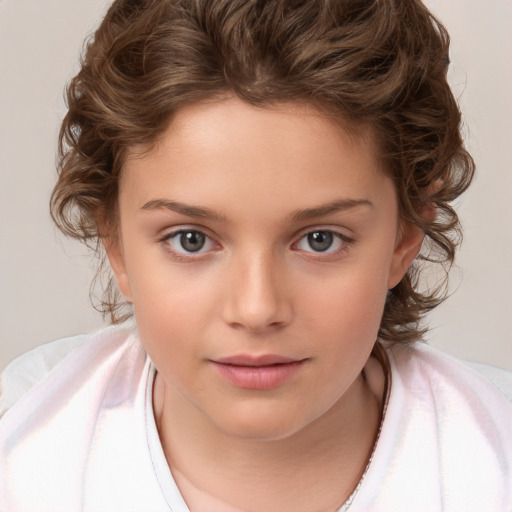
{"points": [[44, 280]]}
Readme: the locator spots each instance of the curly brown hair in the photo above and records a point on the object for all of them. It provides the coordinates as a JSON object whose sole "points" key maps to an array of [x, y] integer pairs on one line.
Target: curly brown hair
{"points": [[381, 63]]}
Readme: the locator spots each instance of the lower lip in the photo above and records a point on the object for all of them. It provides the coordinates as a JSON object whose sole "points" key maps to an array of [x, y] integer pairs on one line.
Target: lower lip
{"points": [[258, 377]]}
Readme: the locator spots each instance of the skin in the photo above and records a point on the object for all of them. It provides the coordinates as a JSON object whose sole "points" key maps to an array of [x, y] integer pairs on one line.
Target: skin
{"points": [[259, 287]]}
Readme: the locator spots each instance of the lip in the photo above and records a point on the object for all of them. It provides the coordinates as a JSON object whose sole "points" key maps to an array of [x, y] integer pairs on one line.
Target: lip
{"points": [[250, 360], [267, 371]]}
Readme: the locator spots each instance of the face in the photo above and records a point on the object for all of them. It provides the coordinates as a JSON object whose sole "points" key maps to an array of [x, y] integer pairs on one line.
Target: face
{"points": [[257, 247]]}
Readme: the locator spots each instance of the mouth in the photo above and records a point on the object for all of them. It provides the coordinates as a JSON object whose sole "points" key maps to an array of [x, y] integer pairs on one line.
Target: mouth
{"points": [[257, 372]]}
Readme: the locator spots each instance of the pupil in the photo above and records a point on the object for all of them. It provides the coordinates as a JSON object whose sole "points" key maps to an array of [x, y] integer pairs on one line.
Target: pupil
{"points": [[192, 241], [320, 240]]}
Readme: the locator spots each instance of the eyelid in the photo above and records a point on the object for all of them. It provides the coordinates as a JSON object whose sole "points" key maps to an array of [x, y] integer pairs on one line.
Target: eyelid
{"points": [[186, 256], [336, 230], [347, 241], [171, 231]]}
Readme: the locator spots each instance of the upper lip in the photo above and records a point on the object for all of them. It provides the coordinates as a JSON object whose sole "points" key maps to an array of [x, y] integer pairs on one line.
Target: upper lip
{"points": [[261, 360]]}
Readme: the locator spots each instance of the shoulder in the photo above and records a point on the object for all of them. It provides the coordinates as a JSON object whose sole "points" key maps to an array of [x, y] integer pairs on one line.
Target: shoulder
{"points": [[451, 390], [82, 400], [24, 372], [422, 365], [499, 377], [448, 431], [31, 369]]}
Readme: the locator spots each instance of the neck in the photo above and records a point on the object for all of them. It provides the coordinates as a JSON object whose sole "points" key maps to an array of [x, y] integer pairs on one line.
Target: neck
{"points": [[314, 469]]}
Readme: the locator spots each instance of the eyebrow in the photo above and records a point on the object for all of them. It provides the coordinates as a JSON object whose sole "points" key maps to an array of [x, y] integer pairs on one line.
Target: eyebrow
{"points": [[332, 207], [184, 209], [304, 214]]}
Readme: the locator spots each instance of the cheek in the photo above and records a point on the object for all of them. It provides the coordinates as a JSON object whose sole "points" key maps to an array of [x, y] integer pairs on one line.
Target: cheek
{"points": [[350, 319], [168, 321], [170, 306], [163, 289], [177, 307], [352, 299]]}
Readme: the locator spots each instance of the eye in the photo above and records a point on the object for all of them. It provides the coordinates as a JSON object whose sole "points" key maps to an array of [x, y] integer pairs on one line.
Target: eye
{"points": [[322, 241], [188, 241]]}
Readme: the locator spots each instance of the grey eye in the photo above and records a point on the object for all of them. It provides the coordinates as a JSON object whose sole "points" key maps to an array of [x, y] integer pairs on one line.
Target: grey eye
{"points": [[189, 241], [320, 241], [192, 241]]}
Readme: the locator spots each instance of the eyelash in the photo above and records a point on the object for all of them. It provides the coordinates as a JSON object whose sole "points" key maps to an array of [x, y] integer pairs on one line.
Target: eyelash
{"points": [[344, 241], [165, 242]]}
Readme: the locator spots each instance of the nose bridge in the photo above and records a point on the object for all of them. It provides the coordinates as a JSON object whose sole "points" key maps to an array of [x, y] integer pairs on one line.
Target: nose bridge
{"points": [[256, 297]]}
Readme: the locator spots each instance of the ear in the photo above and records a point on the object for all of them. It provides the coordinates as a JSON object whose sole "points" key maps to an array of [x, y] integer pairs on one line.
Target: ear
{"points": [[114, 248], [409, 240]]}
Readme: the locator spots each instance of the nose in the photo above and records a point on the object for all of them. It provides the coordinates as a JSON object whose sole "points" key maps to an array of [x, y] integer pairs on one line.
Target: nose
{"points": [[256, 297]]}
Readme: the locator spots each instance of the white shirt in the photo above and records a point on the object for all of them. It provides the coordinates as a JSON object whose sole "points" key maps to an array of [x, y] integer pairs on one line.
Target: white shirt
{"points": [[77, 433]]}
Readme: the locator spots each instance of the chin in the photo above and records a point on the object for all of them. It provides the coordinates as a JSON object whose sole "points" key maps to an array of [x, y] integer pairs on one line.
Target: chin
{"points": [[260, 424]]}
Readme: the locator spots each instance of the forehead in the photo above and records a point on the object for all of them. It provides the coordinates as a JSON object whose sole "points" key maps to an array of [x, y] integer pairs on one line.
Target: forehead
{"points": [[227, 113], [289, 151]]}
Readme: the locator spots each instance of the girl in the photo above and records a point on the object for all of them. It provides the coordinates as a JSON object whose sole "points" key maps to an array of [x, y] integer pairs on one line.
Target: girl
{"points": [[267, 179]]}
